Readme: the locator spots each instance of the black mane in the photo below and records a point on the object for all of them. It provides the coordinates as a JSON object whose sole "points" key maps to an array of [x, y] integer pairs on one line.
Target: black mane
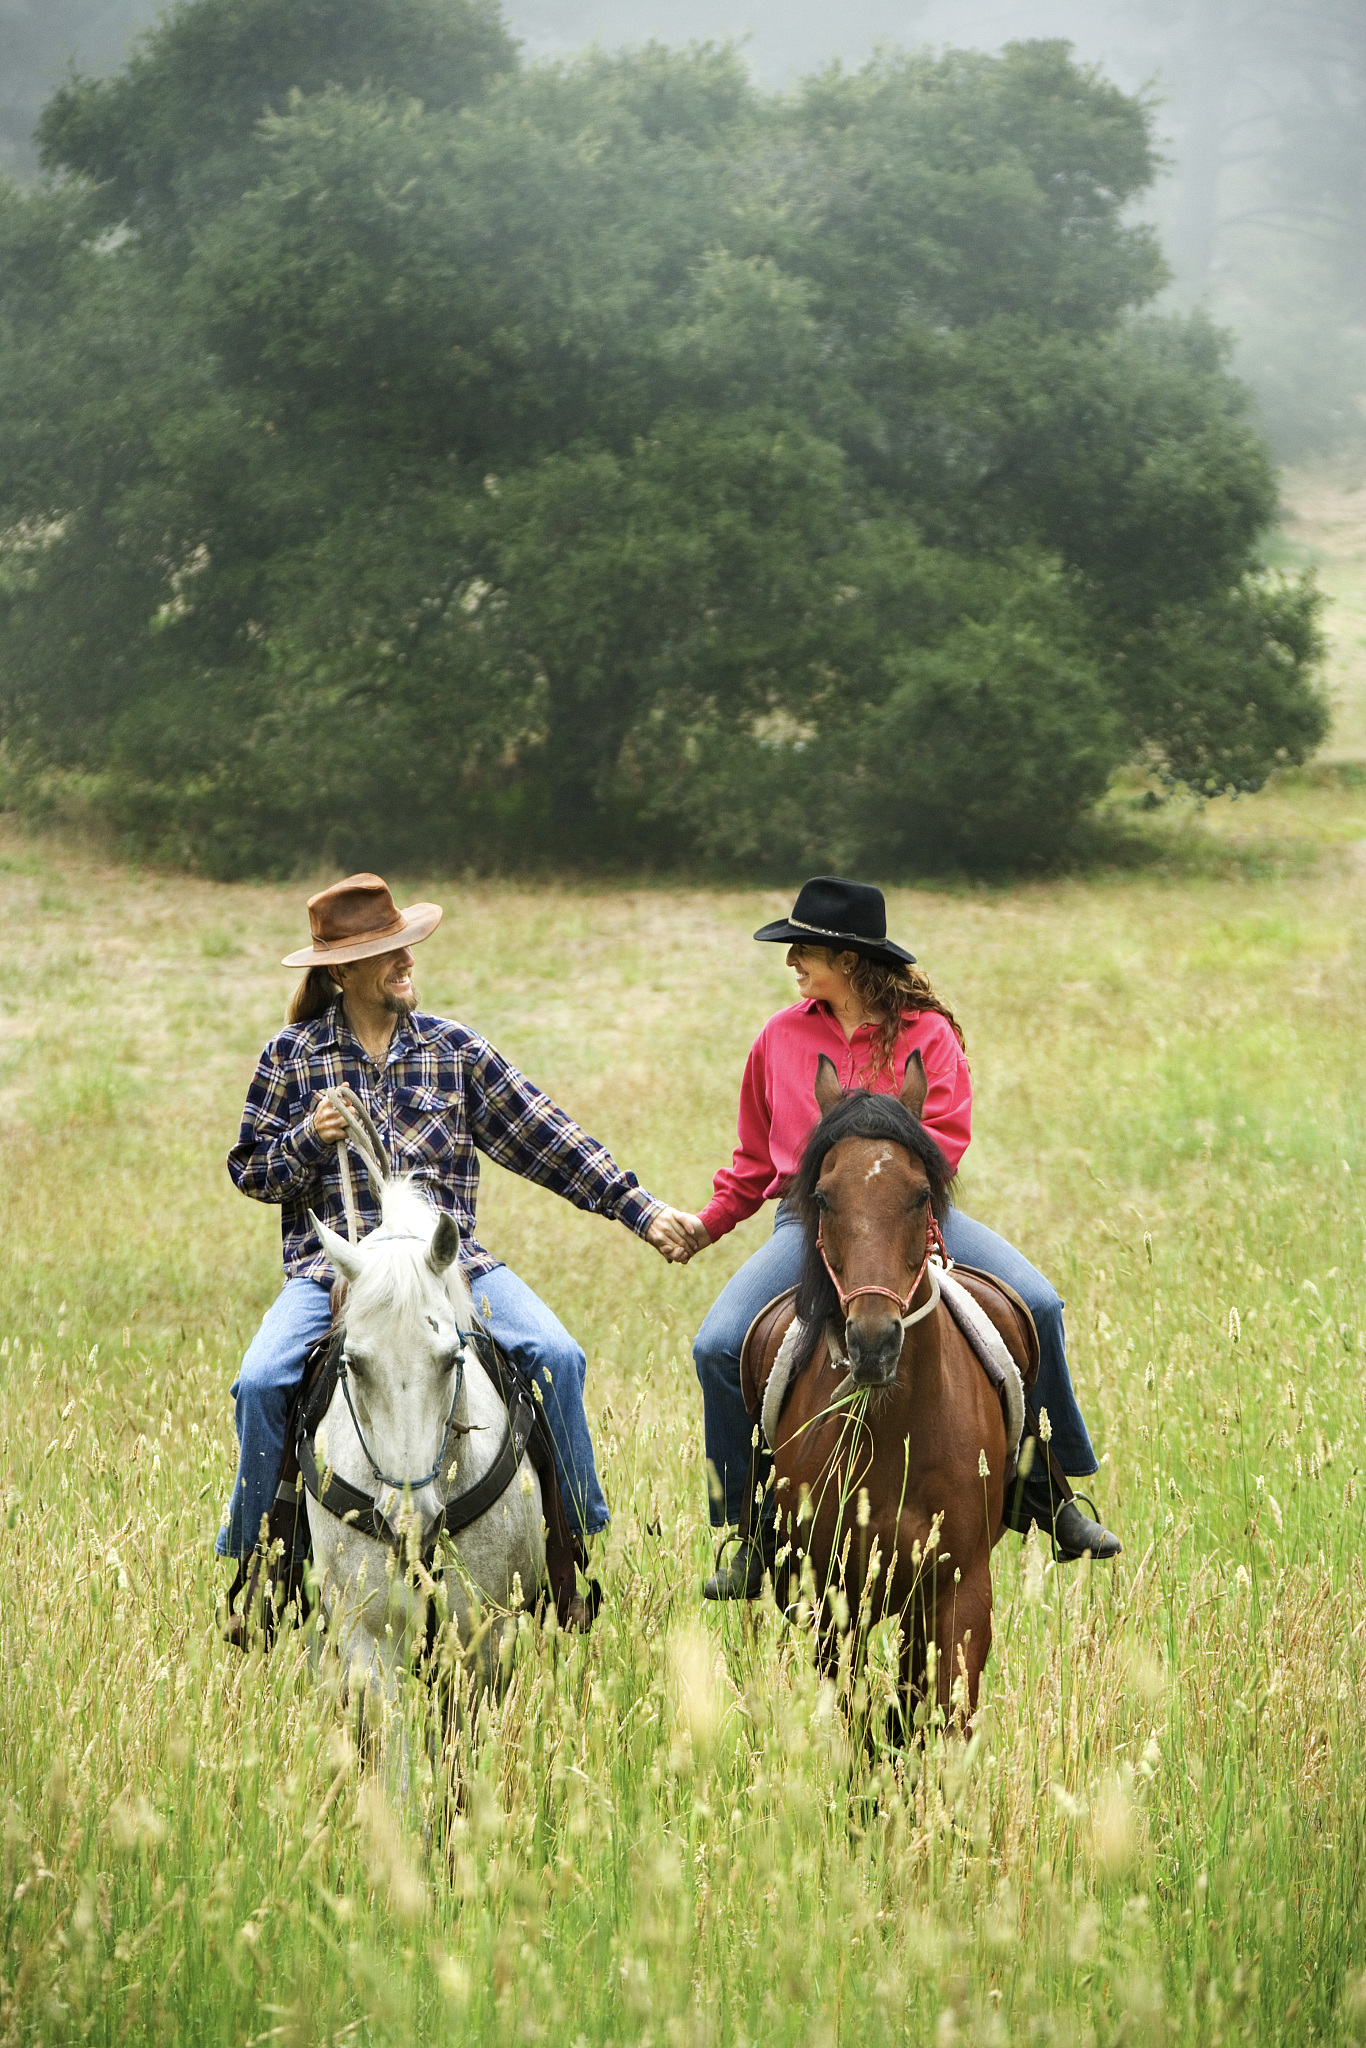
{"points": [[859, 1114]]}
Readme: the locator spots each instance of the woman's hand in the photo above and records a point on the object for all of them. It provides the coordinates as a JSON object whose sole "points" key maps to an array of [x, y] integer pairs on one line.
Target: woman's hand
{"points": [[697, 1233], [676, 1235]]}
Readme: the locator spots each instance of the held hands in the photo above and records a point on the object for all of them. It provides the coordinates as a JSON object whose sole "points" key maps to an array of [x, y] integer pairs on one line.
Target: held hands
{"points": [[676, 1235]]}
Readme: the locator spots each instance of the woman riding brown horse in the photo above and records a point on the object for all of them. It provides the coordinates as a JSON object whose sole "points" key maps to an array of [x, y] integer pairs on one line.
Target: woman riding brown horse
{"points": [[865, 1004], [890, 1453]]}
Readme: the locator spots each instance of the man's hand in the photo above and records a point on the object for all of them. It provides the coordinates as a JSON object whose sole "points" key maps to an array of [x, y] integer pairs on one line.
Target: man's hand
{"points": [[329, 1123], [676, 1235]]}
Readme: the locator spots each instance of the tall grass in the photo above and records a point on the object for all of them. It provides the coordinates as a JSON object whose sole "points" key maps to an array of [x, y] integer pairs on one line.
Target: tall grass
{"points": [[665, 1836]]}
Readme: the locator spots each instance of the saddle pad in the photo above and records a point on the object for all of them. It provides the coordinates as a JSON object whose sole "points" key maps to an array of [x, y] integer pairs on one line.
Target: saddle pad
{"points": [[752, 1350], [995, 1361], [1009, 1312]]}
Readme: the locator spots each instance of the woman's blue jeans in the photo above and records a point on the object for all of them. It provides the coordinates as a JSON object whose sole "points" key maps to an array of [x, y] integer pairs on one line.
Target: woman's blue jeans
{"points": [[727, 1429], [533, 1338]]}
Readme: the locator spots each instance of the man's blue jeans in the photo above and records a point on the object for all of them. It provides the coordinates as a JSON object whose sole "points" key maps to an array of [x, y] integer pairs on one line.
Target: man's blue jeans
{"points": [[535, 1339], [727, 1429]]}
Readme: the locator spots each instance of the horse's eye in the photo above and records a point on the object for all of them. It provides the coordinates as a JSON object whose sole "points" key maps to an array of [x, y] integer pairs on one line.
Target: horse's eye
{"points": [[822, 1201], [919, 1199]]}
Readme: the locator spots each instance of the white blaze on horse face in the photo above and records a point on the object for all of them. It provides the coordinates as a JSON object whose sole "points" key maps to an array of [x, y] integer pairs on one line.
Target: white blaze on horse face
{"points": [[883, 1159]]}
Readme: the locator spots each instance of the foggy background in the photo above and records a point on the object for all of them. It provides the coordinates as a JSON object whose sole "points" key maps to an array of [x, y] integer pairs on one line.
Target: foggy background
{"points": [[1260, 105]]}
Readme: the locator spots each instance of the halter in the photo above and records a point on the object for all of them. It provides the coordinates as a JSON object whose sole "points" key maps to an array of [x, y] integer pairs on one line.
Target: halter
{"points": [[934, 1247]]}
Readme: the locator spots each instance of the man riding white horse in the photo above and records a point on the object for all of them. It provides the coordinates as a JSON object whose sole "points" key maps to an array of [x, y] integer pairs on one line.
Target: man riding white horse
{"points": [[434, 1092]]}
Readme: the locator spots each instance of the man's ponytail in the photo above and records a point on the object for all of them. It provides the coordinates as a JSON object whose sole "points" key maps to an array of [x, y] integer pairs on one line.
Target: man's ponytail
{"points": [[315, 993]]}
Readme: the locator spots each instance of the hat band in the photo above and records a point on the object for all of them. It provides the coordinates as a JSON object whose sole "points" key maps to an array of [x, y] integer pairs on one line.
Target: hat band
{"points": [[382, 931], [863, 938]]}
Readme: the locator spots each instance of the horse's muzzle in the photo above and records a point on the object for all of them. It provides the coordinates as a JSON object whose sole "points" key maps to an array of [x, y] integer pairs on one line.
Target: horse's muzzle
{"points": [[872, 1345]]}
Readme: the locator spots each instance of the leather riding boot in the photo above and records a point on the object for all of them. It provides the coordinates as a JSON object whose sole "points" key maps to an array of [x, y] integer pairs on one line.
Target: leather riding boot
{"points": [[1073, 1533], [742, 1578], [251, 1610]]}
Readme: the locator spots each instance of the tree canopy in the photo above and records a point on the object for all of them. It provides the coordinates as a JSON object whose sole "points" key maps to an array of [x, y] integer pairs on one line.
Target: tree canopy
{"points": [[409, 453]]}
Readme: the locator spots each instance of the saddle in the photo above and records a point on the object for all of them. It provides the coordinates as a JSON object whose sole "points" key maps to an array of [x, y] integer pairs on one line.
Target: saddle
{"points": [[1002, 1306], [287, 1523]]}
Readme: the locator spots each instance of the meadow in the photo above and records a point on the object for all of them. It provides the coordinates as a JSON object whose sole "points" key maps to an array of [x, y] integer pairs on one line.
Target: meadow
{"points": [[664, 1835]]}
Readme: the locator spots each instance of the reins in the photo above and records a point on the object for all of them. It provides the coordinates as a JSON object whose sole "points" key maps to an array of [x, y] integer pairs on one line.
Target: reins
{"points": [[361, 1133]]}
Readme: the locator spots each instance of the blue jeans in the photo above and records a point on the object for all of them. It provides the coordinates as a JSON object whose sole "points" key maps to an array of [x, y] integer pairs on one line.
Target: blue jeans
{"points": [[727, 1429], [533, 1338]]}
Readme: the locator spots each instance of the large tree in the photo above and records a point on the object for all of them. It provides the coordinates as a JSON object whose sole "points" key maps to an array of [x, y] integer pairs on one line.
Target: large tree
{"points": [[404, 451]]}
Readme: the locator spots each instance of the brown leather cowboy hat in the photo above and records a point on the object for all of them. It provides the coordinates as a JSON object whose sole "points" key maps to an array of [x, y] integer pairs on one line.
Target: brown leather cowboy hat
{"points": [[357, 918]]}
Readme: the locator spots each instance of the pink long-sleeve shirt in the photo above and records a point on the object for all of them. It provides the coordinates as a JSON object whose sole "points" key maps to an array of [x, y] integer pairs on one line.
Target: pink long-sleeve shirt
{"points": [[778, 1105]]}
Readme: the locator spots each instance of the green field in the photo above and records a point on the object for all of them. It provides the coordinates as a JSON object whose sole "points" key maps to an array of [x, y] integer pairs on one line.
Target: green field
{"points": [[664, 1837]]}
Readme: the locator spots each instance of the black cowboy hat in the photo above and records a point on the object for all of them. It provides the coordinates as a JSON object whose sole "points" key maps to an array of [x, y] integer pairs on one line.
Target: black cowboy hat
{"points": [[847, 916]]}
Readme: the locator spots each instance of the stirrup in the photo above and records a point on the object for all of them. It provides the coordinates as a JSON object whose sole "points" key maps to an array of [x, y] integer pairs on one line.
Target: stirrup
{"points": [[757, 1546], [1101, 1554]]}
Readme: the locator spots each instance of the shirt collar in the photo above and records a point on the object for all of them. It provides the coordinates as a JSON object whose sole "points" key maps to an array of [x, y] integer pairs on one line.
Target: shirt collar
{"points": [[333, 1027], [814, 1007], [329, 1023]]}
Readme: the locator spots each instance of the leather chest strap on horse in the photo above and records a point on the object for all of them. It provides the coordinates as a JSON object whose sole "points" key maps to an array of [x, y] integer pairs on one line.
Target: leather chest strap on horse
{"points": [[566, 1553], [353, 1505], [476, 1500]]}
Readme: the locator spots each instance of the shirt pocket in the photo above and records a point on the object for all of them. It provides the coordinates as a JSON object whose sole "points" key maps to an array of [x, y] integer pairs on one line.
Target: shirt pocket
{"points": [[429, 1126]]}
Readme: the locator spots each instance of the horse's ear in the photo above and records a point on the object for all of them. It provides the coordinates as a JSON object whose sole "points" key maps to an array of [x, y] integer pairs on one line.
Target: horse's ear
{"points": [[828, 1090], [915, 1087], [445, 1243], [343, 1256]]}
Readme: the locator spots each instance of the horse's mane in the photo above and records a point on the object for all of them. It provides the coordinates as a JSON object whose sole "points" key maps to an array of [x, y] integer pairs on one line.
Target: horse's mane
{"points": [[859, 1114], [396, 1275]]}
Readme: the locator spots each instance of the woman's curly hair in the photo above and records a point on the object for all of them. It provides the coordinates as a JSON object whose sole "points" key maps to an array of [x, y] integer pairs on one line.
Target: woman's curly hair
{"points": [[885, 988]]}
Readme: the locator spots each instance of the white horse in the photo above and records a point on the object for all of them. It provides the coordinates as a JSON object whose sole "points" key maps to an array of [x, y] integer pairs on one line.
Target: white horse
{"points": [[414, 1424]]}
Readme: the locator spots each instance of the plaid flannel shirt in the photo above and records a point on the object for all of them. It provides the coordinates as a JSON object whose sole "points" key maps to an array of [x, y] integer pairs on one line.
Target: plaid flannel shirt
{"points": [[441, 1092]]}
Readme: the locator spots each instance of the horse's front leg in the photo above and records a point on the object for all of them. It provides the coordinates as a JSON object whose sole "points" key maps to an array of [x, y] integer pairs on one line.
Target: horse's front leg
{"points": [[368, 1609]]}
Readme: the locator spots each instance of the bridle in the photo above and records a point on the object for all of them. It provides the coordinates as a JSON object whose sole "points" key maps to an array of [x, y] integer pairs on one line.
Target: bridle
{"points": [[344, 1377], [385, 1478], [906, 1316], [352, 1504], [361, 1510]]}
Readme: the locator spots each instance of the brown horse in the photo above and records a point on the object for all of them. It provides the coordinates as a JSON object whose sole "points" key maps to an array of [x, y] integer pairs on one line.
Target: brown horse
{"points": [[890, 1453]]}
